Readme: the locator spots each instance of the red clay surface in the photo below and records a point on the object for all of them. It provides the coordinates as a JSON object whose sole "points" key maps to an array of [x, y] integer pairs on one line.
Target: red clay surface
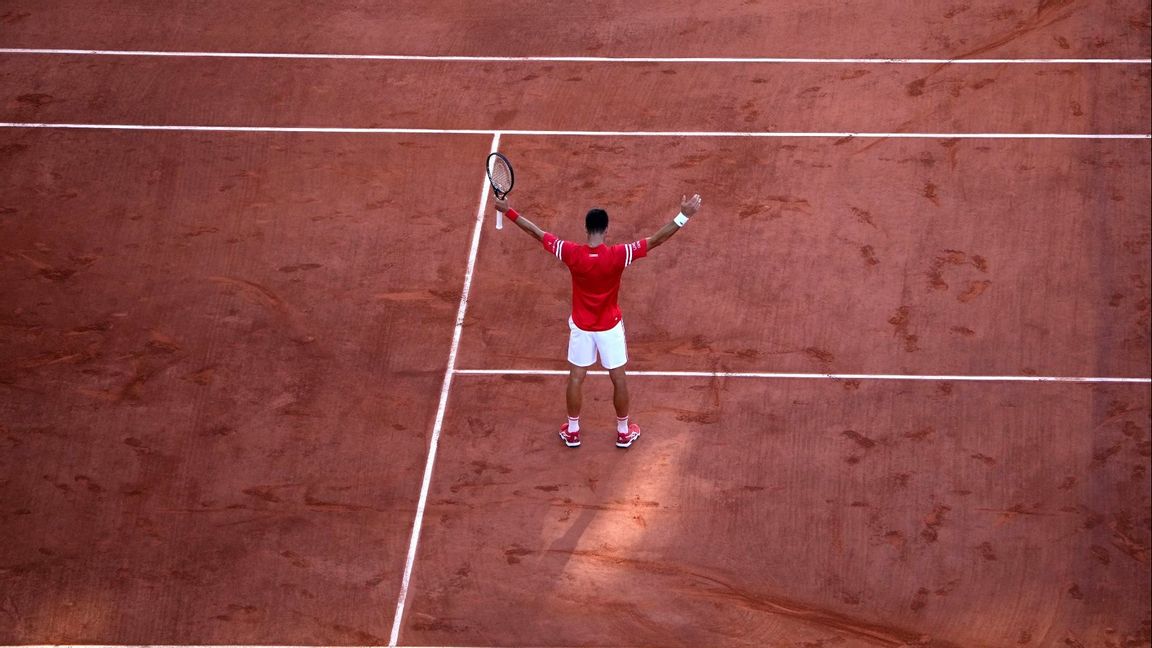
{"points": [[726, 28], [221, 354], [900, 256], [790, 513], [577, 96], [219, 365]]}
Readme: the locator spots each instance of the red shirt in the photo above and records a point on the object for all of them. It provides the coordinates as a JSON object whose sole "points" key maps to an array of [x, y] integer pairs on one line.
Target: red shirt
{"points": [[595, 278]]}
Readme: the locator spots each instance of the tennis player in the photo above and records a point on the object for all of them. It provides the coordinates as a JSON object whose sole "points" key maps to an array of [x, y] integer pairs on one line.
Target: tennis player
{"points": [[596, 325]]}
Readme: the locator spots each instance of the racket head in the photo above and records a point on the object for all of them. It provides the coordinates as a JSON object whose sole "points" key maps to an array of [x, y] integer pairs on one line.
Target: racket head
{"points": [[500, 174]]}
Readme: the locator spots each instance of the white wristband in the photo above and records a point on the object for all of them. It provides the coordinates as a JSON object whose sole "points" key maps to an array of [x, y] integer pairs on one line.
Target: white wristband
{"points": [[680, 220]]}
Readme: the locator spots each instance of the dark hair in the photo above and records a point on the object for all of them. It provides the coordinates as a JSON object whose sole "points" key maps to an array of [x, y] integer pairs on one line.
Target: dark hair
{"points": [[596, 222]]}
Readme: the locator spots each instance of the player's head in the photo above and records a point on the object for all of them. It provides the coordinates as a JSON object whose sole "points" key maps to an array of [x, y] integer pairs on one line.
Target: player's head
{"points": [[596, 222]]}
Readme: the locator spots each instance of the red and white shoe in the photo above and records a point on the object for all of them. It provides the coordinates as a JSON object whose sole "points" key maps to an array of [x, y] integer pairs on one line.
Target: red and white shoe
{"points": [[570, 439], [625, 439]]}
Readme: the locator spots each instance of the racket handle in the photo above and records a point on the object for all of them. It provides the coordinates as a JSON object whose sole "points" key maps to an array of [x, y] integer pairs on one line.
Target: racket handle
{"points": [[499, 220]]}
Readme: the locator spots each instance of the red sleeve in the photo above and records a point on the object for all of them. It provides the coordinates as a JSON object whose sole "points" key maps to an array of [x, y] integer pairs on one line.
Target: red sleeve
{"points": [[635, 250], [555, 245]]}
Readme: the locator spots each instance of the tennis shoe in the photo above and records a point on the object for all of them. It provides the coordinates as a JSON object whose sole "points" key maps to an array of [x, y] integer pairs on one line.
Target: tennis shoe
{"points": [[570, 439], [625, 439]]}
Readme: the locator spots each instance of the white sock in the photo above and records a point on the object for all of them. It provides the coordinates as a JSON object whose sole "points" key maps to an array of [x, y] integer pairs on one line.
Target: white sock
{"points": [[573, 424], [622, 424]]}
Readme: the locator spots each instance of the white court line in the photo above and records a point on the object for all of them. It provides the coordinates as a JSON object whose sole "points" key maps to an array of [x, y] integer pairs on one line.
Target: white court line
{"points": [[570, 133], [449, 372], [808, 376], [575, 59]]}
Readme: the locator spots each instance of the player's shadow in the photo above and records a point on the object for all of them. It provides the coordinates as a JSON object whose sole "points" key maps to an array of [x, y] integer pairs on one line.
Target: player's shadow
{"points": [[599, 500]]}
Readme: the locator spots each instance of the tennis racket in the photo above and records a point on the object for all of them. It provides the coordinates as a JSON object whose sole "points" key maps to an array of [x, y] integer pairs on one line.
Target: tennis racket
{"points": [[500, 175]]}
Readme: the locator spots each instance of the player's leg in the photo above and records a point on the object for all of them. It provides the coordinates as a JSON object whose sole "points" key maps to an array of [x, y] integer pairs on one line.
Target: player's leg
{"points": [[575, 392], [581, 355], [613, 348], [620, 396]]}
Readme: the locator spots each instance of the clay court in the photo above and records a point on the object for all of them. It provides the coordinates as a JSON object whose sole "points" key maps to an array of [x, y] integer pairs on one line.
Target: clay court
{"points": [[270, 376]]}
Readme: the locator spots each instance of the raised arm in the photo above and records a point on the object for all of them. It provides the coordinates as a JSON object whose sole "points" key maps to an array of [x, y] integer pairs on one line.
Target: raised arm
{"points": [[521, 222], [688, 208]]}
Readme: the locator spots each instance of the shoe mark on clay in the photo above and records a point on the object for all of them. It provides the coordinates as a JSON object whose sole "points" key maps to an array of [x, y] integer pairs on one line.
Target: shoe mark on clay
{"points": [[750, 112], [920, 434], [238, 613], [300, 266], [478, 427], [810, 93], [697, 583], [695, 416], [956, 11], [984, 459], [933, 521], [478, 467], [925, 159], [262, 493], [200, 231], [987, 552], [957, 258], [62, 272], [1048, 12], [422, 622], [863, 216], [900, 323], [921, 598], [775, 207], [36, 99], [819, 355], [929, 192], [251, 291], [1122, 531], [296, 559], [12, 17], [860, 440], [514, 553], [145, 367], [690, 161], [203, 376], [974, 290]]}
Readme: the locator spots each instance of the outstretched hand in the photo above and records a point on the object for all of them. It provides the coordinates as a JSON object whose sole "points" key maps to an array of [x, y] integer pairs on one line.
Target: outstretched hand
{"points": [[689, 206], [501, 204]]}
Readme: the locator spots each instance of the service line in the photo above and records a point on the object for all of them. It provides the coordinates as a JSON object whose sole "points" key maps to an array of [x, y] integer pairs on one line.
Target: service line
{"points": [[579, 59], [811, 376], [569, 133]]}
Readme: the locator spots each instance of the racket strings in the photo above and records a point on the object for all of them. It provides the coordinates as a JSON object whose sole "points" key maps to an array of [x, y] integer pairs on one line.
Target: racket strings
{"points": [[500, 175]]}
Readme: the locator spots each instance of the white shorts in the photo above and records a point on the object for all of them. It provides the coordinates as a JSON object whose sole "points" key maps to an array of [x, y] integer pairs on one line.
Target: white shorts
{"points": [[584, 345]]}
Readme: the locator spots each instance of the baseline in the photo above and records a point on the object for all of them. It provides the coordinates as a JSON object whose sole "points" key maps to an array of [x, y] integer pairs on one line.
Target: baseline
{"points": [[578, 59], [810, 376], [574, 133]]}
